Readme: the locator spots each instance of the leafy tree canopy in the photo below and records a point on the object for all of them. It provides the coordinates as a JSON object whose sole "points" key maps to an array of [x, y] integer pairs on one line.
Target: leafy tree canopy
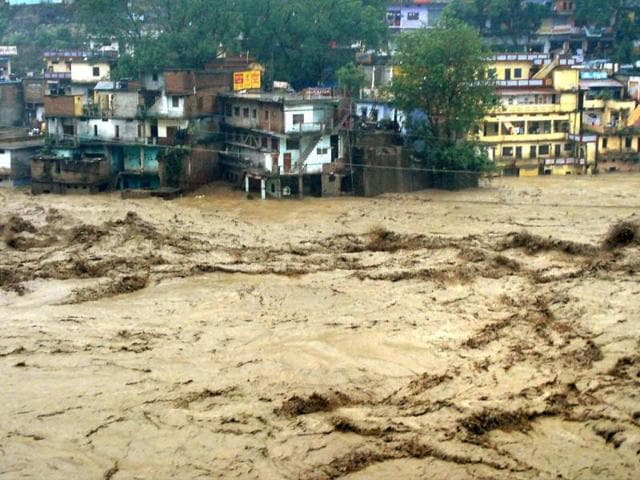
{"points": [[306, 41], [156, 34], [512, 21], [301, 41], [621, 16], [444, 74], [351, 78]]}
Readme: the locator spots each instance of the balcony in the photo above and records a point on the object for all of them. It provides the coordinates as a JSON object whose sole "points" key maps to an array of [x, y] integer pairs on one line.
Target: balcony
{"points": [[532, 83], [57, 75], [542, 108], [524, 138], [302, 128]]}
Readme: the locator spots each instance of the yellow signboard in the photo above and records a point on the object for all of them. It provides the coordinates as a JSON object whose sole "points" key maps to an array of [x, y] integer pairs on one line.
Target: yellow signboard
{"points": [[247, 80]]}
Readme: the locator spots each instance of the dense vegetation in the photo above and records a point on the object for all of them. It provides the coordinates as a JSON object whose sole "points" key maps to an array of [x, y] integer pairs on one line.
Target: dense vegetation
{"points": [[302, 41], [444, 74]]}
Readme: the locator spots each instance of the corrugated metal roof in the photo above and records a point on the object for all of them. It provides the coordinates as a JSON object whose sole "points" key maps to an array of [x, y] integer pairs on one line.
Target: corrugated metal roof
{"points": [[610, 83], [105, 85]]}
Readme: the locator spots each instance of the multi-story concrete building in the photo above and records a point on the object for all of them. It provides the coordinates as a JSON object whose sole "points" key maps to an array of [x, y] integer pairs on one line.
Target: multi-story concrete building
{"points": [[536, 126], [609, 113], [131, 123], [557, 117], [407, 15], [271, 139]]}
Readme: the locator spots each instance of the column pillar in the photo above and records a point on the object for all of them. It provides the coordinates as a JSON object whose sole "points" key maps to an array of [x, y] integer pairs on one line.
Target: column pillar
{"points": [[246, 183], [263, 189]]}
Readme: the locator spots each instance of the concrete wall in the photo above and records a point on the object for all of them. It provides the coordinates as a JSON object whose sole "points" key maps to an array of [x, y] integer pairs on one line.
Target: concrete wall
{"points": [[268, 116], [5, 158], [106, 130], [64, 105], [200, 167], [316, 118], [384, 172], [11, 104], [84, 72], [51, 174]]}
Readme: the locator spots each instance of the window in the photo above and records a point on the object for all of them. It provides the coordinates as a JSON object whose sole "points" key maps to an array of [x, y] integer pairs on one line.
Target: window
{"points": [[228, 110], [117, 131], [293, 144], [245, 112], [507, 74], [544, 150], [275, 144], [605, 142], [175, 102], [517, 73], [154, 77], [298, 118], [413, 16], [264, 142], [507, 152], [95, 130], [568, 147], [236, 111], [627, 142], [322, 151], [533, 151], [96, 71], [1, 152], [254, 113]]}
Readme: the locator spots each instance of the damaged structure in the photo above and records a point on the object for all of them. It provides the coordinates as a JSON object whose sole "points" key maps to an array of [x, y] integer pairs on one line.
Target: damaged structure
{"points": [[137, 125], [280, 144]]}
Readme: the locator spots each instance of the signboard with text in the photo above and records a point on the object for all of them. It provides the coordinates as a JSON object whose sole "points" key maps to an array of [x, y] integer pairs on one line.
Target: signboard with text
{"points": [[6, 51], [247, 80]]}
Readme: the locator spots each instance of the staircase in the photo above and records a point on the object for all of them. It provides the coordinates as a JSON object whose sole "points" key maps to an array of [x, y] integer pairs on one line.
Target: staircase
{"points": [[304, 156], [547, 69], [634, 117]]}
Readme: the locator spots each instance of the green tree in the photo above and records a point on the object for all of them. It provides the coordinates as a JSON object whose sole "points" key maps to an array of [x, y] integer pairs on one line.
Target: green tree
{"points": [[513, 22], [156, 34], [444, 74], [351, 78], [620, 17], [307, 41]]}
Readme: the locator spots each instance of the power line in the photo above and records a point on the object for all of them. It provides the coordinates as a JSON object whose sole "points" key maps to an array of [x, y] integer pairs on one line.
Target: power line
{"points": [[307, 164]]}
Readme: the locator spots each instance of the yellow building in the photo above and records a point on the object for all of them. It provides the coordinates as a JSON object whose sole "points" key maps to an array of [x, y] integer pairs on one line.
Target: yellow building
{"points": [[536, 129], [615, 121]]}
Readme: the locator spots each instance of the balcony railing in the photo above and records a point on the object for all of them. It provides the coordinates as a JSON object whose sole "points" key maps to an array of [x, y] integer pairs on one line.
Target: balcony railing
{"points": [[546, 82], [314, 127], [57, 75], [523, 137], [534, 108]]}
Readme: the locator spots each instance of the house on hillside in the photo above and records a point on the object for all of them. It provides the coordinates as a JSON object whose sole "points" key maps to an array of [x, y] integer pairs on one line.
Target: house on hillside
{"points": [[535, 128], [138, 121], [16, 149], [273, 140]]}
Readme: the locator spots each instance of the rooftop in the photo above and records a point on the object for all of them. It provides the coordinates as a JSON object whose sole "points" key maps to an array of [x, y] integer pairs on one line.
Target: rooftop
{"points": [[287, 98]]}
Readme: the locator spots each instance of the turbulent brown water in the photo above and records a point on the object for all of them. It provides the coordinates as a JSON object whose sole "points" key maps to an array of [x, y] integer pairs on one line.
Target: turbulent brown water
{"points": [[485, 334]]}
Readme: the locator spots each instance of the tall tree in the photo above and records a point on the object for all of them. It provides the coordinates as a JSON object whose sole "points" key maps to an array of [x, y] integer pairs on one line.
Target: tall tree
{"points": [[306, 41], [445, 76], [512, 22], [156, 34], [620, 17]]}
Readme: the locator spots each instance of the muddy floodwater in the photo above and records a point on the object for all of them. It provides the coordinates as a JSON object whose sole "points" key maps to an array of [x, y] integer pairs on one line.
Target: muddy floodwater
{"points": [[488, 334]]}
